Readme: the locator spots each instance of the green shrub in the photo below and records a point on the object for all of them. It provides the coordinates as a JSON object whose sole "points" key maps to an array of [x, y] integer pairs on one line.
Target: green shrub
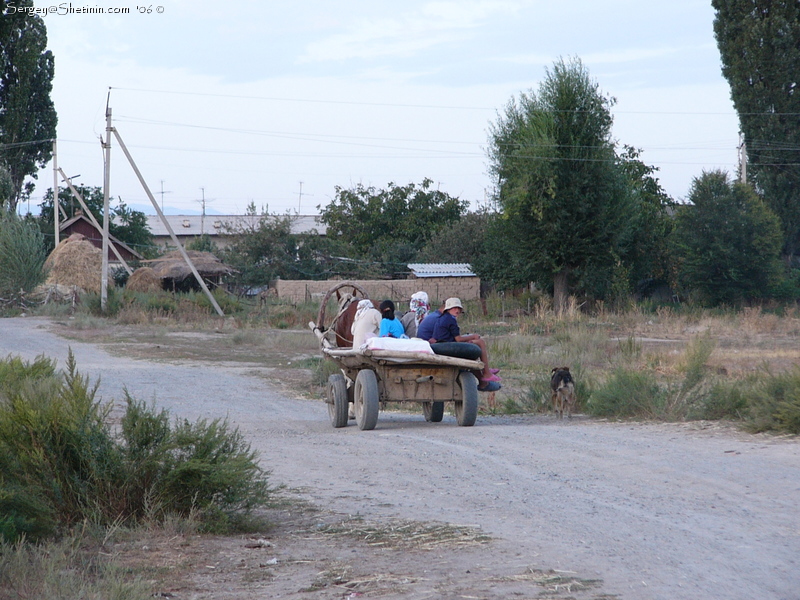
{"points": [[321, 369], [212, 469], [160, 302], [60, 463], [113, 302], [627, 393], [283, 317], [694, 360], [228, 303], [775, 403], [537, 396], [22, 255], [725, 401], [14, 373]]}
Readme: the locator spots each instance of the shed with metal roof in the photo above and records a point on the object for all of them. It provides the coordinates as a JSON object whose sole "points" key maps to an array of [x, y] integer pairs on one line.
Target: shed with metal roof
{"points": [[424, 270]]}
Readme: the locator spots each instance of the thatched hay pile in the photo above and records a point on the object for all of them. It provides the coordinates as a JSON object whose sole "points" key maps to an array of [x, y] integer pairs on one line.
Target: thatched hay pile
{"points": [[75, 262], [144, 279], [173, 266]]}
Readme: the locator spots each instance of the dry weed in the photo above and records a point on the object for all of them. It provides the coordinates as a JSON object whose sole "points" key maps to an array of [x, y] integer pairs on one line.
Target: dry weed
{"points": [[407, 535], [553, 581], [754, 321]]}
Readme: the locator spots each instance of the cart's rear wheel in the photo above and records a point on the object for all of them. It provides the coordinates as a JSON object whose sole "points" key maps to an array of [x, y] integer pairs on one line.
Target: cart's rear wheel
{"points": [[467, 408], [367, 400], [337, 400], [433, 411]]}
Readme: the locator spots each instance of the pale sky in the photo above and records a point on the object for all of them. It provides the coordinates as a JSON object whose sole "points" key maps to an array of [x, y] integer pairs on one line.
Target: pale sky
{"points": [[240, 102]]}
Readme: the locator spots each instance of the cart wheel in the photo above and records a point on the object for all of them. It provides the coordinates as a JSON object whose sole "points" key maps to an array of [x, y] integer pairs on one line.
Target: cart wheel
{"points": [[337, 400], [433, 411], [467, 409], [367, 401]]}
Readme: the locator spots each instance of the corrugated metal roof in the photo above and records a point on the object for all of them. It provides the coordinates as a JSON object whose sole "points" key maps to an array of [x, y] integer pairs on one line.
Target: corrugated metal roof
{"points": [[220, 224], [442, 270]]}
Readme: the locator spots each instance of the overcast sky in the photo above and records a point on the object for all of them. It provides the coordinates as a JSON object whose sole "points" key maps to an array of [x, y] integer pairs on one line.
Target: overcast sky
{"points": [[243, 101]]}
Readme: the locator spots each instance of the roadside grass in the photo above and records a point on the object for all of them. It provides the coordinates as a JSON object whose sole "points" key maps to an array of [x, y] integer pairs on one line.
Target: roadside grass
{"points": [[74, 566], [185, 309], [669, 362]]}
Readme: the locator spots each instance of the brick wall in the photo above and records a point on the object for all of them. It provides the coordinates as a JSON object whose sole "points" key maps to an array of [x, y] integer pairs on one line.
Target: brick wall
{"points": [[398, 290]]}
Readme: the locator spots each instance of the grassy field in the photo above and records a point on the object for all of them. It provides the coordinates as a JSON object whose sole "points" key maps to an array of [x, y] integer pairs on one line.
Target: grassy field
{"points": [[669, 362]]}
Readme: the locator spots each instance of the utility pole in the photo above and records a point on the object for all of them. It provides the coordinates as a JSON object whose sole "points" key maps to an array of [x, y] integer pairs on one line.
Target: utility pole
{"points": [[202, 202], [300, 197], [106, 186], [162, 195], [175, 240], [55, 194]]}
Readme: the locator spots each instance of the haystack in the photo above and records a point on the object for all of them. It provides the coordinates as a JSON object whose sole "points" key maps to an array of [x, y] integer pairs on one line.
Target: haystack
{"points": [[75, 262], [144, 279], [173, 266]]}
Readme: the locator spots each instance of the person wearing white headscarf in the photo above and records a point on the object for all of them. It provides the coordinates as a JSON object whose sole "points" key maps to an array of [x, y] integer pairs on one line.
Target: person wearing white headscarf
{"points": [[420, 305], [418, 308], [366, 323]]}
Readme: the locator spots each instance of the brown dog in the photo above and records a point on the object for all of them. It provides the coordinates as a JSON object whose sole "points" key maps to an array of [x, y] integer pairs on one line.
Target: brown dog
{"points": [[563, 387]]}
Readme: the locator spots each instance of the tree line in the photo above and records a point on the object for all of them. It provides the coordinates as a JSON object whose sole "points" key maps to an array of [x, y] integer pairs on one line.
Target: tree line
{"points": [[573, 210]]}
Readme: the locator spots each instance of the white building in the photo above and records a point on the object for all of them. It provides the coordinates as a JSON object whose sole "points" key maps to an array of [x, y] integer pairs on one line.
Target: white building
{"points": [[219, 227]]}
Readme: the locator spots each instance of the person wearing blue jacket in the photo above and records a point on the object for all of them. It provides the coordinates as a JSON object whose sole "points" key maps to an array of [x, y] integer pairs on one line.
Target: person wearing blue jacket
{"points": [[447, 330]]}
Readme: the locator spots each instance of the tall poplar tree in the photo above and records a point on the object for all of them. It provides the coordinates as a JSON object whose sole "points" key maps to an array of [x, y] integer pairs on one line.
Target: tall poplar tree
{"points": [[759, 41], [27, 115], [563, 196]]}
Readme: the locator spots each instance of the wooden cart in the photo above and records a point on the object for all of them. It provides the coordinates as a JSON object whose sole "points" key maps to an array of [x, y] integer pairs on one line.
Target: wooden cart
{"points": [[369, 378]]}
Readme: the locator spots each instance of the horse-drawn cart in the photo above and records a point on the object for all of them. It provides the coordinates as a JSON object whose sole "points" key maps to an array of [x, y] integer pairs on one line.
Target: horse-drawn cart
{"points": [[371, 376]]}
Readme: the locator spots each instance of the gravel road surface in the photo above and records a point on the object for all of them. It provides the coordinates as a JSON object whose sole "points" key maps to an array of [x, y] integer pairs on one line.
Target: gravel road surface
{"points": [[678, 511]]}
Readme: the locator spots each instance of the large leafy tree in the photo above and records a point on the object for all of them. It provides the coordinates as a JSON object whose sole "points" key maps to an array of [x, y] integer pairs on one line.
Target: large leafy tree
{"points": [[645, 244], [459, 242], [727, 241], [27, 115], [564, 199], [759, 41], [390, 225], [268, 249]]}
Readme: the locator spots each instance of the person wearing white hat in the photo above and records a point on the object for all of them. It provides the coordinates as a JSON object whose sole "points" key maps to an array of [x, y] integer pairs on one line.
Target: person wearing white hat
{"points": [[447, 330]]}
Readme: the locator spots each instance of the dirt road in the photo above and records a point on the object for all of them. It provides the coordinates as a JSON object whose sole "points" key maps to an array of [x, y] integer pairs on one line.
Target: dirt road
{"points": [[654, 511]]}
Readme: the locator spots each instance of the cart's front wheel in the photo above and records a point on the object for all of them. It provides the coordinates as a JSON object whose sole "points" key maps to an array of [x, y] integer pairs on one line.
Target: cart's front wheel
{"points": [[467, 408], [337, 400], [367, 400], [433, 411]]}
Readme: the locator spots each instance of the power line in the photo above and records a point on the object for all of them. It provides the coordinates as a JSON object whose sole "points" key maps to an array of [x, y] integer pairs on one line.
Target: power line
{"points": [[21, 144], [307, 100], [440, 106]]}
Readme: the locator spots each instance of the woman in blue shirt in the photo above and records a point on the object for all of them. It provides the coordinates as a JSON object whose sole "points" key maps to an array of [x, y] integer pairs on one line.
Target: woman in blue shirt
{"points": [[390, 327]]}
